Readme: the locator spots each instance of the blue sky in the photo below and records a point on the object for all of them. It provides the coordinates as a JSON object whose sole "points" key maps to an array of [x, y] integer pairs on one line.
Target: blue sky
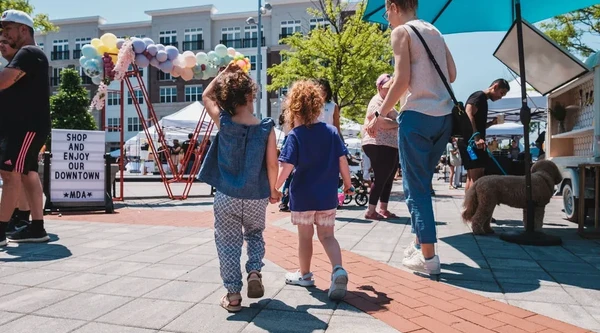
{"points": [[473, 53]]}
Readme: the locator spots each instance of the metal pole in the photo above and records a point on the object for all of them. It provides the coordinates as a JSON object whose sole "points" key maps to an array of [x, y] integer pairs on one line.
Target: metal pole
{"points": [[259, 62], [530, 236]]}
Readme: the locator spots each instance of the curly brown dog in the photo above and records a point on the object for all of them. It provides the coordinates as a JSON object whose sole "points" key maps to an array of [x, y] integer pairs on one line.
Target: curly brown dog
{"points": [[489, 191]]}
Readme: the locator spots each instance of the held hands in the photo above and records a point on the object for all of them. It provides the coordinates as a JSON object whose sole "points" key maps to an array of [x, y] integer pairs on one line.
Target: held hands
{"points": [[348, 189], [480, 144], [275, 196]]}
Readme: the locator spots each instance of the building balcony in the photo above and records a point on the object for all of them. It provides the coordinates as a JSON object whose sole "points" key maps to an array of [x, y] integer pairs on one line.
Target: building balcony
{"points": [[55, 81], [176, 44], [195, 45], [252, 42], [76, 54], [59, 55], [235, 43]]}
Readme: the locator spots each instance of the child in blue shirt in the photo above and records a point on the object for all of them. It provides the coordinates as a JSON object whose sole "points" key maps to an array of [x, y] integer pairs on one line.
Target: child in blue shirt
{"points": [[242, 165], [318, 155]]}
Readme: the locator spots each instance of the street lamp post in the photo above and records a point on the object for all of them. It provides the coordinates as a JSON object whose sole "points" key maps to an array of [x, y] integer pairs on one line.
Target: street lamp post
{"points": [[261, 11]]}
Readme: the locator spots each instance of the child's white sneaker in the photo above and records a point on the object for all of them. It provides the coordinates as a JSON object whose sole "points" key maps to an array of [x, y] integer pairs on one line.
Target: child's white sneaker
{"points": [[339, 284], [418, 263], [298, 279]]}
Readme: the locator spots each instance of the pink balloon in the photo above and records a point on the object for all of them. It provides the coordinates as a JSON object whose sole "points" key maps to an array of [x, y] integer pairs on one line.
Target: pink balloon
{"points": [[187, 74], [241, 63], [176, 72]]}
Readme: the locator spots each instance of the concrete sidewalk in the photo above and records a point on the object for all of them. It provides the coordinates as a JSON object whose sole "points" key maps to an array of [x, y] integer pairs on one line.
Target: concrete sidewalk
{"points": [[95, 277]]}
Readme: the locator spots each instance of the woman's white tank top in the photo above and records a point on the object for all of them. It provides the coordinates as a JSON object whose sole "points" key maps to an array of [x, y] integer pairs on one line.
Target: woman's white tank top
{"points": [[327, 113]]}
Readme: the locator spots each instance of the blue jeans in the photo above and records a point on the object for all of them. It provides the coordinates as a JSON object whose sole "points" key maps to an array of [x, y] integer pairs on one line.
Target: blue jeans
{"points": [[422, 140]]}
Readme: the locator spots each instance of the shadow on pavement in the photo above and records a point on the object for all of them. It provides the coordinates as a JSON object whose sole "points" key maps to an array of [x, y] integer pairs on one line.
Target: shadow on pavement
{"points": [[33, 252]]}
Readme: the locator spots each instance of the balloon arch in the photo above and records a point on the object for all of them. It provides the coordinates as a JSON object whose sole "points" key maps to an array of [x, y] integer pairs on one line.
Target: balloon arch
{"points": [[108, 58]]}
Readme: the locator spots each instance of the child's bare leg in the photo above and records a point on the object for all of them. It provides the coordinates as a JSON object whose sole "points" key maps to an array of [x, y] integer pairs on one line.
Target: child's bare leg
{"points": [[305, 247], [330, 244]]}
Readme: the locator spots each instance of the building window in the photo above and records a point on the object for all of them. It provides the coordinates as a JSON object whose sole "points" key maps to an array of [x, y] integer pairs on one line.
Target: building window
{"points": [[288, 28], [283, 91], [162, 76], [140, 36], [168, 94], [139, 96], [114, 124], [84, 78], [232, 37], [318, 22], [79, 43], [193, 93], [192, 39], [133, 124], [41, 46], [168, 37], [113, 98], [55, 79], [253, 62], [141, 70], [251, 36], [60, 49]]}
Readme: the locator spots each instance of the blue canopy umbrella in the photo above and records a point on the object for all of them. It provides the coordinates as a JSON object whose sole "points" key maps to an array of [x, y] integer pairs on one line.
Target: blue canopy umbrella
{"points": [[458, 16]]}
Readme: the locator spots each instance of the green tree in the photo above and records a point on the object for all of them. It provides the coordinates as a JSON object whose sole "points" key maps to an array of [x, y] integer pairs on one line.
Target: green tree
{"points": [[69, 107], [41, 21], [351, 54], [569, 30]]}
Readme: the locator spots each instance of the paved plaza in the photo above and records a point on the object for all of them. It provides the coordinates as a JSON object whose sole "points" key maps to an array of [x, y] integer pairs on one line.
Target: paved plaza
{"points": [[152, 267]]}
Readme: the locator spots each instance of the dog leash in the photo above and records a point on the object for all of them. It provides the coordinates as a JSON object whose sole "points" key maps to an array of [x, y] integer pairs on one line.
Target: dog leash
{"points": [[473, 155]]}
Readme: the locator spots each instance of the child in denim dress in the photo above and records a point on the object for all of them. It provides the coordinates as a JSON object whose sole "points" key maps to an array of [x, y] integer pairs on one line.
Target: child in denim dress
{"points": [[242, 165], [316, 152]]}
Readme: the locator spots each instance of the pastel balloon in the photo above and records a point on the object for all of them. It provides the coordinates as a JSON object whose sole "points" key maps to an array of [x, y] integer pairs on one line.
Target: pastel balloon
{"points": [[93, 68], [160, 47], [138, 46], [89, 51], [161, 56], [187, 74], [142, 61], [96, 80], [176, 62], [166, 66], [102, 49], [120, 42], [108, 39], [172, 52], [148, 41], [152, 49], [199, 75], [189, 58], [231, 51], [114, 58], [154, 62], [237, 54], [221, 50], [95, 42], [201, 58], [82, 61], [113, 50], [241, 63], [176, 71]]}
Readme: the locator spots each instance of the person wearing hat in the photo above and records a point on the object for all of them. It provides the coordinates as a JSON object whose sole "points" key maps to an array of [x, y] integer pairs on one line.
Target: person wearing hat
{"points": [[26, 109], [382, 151]]}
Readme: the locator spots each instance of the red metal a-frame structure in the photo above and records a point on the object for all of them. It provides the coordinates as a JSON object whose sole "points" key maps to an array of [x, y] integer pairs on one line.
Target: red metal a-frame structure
{"points": [[178, 174]]}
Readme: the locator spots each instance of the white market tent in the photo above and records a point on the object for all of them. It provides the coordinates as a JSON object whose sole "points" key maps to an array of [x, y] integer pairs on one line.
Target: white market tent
{"points": [[506, 129], [176, 126], [350, 129], [510, 105]]}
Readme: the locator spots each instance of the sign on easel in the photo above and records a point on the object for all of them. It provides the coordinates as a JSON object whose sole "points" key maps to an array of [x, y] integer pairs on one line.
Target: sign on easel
{"points": [[77, 169]]}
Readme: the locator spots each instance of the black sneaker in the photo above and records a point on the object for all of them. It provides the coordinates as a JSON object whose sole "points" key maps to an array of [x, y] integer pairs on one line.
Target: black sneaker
{"points": [[15, 225], [29, 234]]}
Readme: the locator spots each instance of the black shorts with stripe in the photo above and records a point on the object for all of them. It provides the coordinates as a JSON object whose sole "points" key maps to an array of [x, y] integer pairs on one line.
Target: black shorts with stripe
{"points": [[19, 151]]}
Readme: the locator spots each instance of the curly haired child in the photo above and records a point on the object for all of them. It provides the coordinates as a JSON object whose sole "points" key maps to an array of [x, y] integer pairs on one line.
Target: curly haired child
{"points": [[242, 165], [316, 152]]}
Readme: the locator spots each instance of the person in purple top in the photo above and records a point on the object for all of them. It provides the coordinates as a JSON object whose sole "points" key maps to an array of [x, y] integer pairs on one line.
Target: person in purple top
{"points": [[316, 152]]}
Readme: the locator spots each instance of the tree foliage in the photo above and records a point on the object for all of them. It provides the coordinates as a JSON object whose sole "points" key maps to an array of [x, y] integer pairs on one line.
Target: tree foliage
{"points": [[351, 54], [69, 107], [569, 30], [41, 21]]}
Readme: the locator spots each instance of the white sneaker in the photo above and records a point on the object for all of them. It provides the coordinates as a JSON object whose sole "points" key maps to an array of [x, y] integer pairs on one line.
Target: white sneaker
{"points": [[339, 284], [298, 279], [410, 250], [419, 264]]}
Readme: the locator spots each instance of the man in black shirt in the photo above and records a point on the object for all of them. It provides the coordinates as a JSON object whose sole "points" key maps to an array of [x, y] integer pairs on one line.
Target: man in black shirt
{"points": [[477, 110], [26, 108], [185, 146]]}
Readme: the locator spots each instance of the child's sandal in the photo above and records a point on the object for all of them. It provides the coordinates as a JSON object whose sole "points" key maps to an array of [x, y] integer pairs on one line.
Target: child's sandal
{"points": [[228, 299], [256, 289]]}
